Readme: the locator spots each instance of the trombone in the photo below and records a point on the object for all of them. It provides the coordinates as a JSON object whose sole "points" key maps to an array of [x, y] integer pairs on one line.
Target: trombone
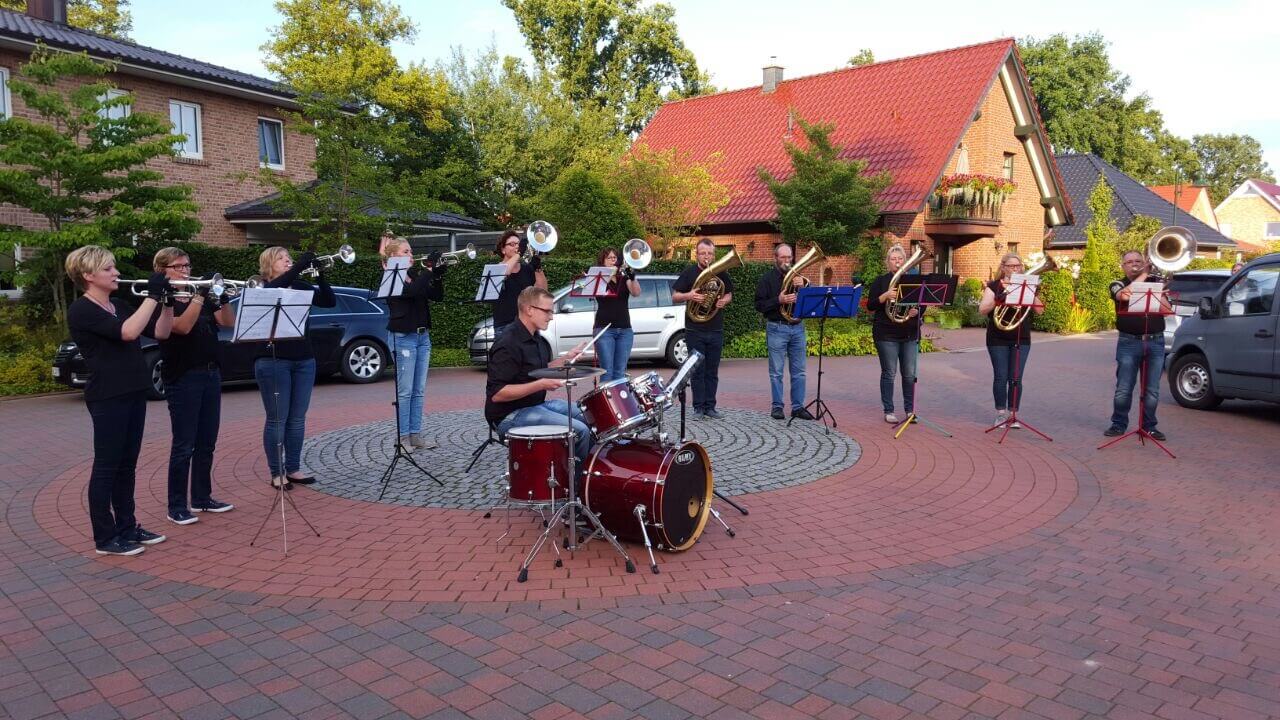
{"points": [[346, 254], [450, 258]]}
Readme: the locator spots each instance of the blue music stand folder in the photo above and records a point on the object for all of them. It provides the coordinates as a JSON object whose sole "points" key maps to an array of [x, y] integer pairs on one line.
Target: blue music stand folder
{"points": [[828, 301]]}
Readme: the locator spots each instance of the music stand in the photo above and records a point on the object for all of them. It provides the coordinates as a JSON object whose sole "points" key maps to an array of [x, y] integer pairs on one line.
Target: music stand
{"points": [[822, 303], [595, 283], [932, 291], [392, 284], [1147, 300], [268, 315], [491, 280], [1021, 293]]}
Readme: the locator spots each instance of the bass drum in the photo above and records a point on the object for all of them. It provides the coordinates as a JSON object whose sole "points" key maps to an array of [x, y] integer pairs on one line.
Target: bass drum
{"points": [[673, 484]]}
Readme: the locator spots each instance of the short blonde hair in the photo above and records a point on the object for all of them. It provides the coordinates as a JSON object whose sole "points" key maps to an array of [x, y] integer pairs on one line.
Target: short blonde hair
{"points": [[85, 260], [895, 248], [530, 295], [268, 258], [165, 257], [393, 245]]}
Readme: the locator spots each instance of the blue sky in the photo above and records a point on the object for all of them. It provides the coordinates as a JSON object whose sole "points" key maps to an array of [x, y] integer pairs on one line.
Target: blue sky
{"points": [[1209, 66]]}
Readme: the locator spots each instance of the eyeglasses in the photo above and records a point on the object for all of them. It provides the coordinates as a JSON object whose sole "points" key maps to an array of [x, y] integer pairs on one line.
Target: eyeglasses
{"points": [[545, 310], [1013, 264], [179, 266]]}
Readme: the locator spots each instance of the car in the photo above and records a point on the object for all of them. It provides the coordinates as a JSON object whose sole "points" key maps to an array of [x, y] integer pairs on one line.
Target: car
{"points": [[1186, 288], [657, 320], [348, 339], [1228, 348]]}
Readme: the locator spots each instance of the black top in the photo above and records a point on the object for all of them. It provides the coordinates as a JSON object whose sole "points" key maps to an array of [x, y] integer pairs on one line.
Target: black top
{"points": [[882, 328], [411, 309], [684, 283], [511, 359], [995, 336], [1135, 323], [504, 311], [767, 292], [197, 348], [615, 310], [299, 348], [118, 367]]}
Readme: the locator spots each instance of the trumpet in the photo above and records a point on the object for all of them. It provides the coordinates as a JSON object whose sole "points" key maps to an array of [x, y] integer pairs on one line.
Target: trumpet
{"points": [[187, 288], [542, 238], [450, 258], [233, 288], [346, 254]]}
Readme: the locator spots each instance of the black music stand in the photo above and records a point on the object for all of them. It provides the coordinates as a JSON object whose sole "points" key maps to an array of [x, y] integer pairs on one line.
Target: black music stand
{"points": [[259, 319], [1146, 301], [392, 285], [823, 302], [1020, 294], [933, 291]]}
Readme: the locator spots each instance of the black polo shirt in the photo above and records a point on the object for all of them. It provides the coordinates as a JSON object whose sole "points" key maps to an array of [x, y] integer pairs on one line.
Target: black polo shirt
{"points": [[117, 365], [684, 283], [882, 328], [412, 309], [511, 359], [505, 311], [767, 292], [1133, 323], [196, 349]]}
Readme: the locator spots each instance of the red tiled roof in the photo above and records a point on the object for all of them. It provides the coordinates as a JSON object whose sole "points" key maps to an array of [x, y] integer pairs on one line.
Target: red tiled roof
{"points": [[1186, 195], [904, 116], [1267, 187]]}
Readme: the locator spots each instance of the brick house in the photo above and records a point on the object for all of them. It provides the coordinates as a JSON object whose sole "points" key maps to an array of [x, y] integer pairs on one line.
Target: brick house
{"points": [[969, 110], [1191, 199], [1251, 215]]}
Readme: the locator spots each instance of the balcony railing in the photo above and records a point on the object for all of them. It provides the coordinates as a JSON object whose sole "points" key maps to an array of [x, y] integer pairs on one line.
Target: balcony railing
{"points": [[942, 209], [969, 198]]}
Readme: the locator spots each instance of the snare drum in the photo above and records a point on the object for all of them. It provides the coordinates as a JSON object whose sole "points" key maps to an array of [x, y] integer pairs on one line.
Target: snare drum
{"points": [[647, 388], [672, 483], [612, 408], [537, 463]]}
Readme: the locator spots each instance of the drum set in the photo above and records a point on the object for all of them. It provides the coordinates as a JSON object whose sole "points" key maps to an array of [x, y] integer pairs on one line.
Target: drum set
{"points": [[639, 484]]}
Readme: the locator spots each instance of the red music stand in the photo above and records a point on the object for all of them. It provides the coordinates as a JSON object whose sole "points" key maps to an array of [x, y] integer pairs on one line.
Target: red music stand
{"points": [[594, 283], [925, 294], [1018, 295], [1152, 303]]}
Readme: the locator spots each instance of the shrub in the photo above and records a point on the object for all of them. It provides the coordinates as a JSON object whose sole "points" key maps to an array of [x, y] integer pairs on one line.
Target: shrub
{"points": [[1079, 320], [27, 371], [589, 215], [843, 337], [1093, 293], [1056, 294], [1210, 264], [870, 257], [968, 295]]}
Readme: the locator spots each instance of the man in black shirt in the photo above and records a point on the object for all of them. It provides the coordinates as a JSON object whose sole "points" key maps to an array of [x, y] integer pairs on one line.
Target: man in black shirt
{"points": [[784, 338], [515, 399], [704, 337], [1141, 337], [520, 275]]}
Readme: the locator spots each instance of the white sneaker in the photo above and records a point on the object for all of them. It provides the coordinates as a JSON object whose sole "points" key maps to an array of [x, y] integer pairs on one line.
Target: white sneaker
{"points": [[1001, 416], [1015, 425], [891, 418]]}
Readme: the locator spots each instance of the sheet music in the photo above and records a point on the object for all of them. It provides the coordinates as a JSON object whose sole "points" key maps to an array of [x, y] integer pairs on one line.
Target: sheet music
{"points": [[255, 317], [1144, 297], [595, 282], [491, 281], [1022, 289], [393, 277]]}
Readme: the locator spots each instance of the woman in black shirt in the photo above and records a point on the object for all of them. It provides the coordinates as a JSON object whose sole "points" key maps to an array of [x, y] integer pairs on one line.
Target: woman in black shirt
{"points": [[520, 275], [1008, 348], [614, 347], [895, 342], [409, 322], [290, 373], [106, 332]]}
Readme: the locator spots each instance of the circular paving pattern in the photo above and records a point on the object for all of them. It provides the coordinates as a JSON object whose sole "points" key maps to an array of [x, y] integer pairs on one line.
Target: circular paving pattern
{"points": [[745, 447]]}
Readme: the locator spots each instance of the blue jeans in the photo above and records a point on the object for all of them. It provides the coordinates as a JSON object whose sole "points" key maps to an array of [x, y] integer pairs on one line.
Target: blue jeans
{"points": [[553, 412], [786, 341], [118, 423], [1130, 349], [895, 355], [614, 349], [287, 415], [413, 358], [1004, 388], [195, 411], [706, 375]]}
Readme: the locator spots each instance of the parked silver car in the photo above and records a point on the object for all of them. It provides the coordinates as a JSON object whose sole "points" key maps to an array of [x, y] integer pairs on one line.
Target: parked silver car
{"points": [[658, 323]]}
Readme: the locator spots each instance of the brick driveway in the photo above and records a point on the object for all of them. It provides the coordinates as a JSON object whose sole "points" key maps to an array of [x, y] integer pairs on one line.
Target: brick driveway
{"points": [[937, 577]]}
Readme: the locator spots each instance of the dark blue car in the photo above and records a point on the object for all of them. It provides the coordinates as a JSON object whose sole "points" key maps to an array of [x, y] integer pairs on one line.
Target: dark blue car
{"points": [[349, 339]]}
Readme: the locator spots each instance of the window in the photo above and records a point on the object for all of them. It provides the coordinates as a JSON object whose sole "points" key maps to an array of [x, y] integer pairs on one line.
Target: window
{"points": [[962, 160], [648, 296], [1272, 231], [1253, 292], [5, 108], [1013, 248], [117, 112], [271, 143], [1007, 169], [186, 121]]}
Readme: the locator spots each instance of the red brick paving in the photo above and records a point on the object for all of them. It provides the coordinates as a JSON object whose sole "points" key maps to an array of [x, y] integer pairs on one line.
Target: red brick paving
{"points": [[937, 577]]}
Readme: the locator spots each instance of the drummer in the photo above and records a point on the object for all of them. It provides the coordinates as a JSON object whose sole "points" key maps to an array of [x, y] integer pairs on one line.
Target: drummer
{"points": [[515, 399]]}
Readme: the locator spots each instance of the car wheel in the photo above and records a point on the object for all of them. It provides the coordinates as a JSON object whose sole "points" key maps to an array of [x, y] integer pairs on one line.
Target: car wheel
{"points": [[363, 361], [154, 365], [677, 350], [1191, 384]]}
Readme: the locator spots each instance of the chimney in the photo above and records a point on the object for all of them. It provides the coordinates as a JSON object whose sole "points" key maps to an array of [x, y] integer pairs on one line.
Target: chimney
{"points": [[772, 75], [52, 10]]}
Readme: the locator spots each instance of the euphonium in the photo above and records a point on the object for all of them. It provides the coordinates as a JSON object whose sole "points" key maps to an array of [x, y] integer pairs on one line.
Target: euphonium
{"points": [[793, 281], [711, 287], [1009, 317], [902, 313]]}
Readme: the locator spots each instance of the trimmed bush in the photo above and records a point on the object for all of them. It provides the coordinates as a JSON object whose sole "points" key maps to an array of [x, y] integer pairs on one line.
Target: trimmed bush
{"points": [[1093, 294], [843, 337], [1210, 264], [1056, 294], [968, 295]]}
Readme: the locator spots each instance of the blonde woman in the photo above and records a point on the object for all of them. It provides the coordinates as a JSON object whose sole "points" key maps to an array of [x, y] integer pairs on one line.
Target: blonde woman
{"points": [[896, 343], [1008, 348], [106, 331], [409, 323], [289, 371]]}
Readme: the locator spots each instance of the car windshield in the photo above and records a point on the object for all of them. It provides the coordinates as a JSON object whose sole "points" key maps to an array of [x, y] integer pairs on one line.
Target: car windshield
{"points": [[1187, 290]]}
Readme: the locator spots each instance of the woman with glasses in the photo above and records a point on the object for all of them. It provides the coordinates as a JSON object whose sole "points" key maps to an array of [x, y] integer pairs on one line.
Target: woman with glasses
{"points": [[520, 275], [614, 347], [1007, 348]]}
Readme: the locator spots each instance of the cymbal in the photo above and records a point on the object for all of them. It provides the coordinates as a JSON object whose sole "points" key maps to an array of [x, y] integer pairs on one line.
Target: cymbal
{"points": [[568, 371]]}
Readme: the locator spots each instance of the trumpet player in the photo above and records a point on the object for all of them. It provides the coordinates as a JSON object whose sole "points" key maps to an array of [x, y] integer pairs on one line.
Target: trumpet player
{"points": [[520, 275], [614, 347], [107, 332], [409, 323], [706, 337], [784, 338], [193, 390], [1008, 349]]}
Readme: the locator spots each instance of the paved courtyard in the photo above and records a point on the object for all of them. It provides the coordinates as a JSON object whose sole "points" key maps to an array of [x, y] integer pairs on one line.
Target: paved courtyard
{"points": [[920, 577]]}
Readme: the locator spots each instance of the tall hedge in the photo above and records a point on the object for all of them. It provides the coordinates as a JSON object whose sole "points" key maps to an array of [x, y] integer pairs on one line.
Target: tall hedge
{"points": [[1056, 289]]}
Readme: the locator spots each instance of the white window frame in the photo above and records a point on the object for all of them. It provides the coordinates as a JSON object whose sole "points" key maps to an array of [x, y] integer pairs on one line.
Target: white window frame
{"points": [[6, 111], [1267, 234], [111, 95], [199, 152], [263, 163], [1007, 161]]}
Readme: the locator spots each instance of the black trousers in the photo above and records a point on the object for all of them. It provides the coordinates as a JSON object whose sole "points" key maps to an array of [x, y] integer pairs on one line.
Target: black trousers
{"points": [[706, 375], [195, 411], [118, 424]]}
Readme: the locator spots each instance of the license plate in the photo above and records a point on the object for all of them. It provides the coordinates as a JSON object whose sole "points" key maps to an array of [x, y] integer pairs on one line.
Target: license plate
{"points": [[57, 372]]}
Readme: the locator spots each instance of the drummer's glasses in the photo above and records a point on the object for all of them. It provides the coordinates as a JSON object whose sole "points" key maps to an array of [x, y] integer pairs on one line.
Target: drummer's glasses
{"points": [[548, 311]]}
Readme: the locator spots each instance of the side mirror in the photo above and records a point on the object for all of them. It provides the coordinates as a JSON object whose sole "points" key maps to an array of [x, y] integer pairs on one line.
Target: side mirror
{"points": [[1206, 308]]}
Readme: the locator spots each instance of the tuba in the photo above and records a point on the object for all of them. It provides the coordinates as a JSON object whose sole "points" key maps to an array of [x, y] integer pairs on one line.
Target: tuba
{"points": [[711, 287], [1008, 317], [541, 237], [793, 281], [1171, 249], [902, 313]]}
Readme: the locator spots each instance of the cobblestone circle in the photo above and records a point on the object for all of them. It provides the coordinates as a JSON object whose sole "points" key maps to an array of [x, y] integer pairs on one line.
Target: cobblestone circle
{"points": [[750, 452]]}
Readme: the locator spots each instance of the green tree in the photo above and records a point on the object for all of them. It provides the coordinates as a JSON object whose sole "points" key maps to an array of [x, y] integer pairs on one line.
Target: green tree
{"points": [[828, 200], [613, 54], [83, 172], [1101, 258], [1228, 160], [670, 192], [1135, 236], [105, 17], [588, 214], [864, 57]]}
